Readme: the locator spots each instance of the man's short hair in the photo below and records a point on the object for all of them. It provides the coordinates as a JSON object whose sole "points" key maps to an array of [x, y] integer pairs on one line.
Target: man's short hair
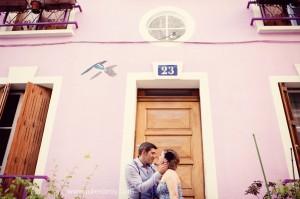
{"points": [[146, 146]]}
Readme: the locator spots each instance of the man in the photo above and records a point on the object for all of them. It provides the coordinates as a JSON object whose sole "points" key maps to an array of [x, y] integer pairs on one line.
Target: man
{"points": [[141, 176]]}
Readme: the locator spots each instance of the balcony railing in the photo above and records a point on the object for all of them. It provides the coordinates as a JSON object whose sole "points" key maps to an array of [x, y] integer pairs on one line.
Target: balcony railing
{"points": [[37, 14], [277, 12]]}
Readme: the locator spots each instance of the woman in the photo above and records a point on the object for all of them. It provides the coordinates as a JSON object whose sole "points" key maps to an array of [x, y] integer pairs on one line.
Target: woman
{"points": [[169, 186]]}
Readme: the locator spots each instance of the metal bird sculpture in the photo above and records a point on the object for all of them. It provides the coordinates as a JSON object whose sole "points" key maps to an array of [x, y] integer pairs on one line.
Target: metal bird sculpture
{"points": [[100, 66]]}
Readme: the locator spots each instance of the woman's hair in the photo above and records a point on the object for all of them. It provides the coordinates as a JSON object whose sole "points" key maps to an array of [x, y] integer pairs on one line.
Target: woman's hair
{"points": [[172, 157]]}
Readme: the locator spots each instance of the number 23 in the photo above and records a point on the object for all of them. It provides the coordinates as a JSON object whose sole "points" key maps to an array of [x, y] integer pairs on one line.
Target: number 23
{"points": [[167, 70]]}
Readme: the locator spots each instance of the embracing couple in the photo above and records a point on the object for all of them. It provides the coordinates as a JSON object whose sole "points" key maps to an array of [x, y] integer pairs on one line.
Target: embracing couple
{"points": [[146, 181]]}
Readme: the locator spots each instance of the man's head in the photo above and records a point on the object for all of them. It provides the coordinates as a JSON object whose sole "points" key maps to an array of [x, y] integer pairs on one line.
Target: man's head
{"points": [[147, 152]]}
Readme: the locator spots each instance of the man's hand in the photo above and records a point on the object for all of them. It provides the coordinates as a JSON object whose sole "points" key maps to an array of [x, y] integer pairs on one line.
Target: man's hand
{"points": [[162, 168]]}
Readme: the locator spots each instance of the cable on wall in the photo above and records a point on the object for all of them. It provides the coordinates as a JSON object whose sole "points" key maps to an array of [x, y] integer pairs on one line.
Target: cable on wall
{"points": [[149, 42]]}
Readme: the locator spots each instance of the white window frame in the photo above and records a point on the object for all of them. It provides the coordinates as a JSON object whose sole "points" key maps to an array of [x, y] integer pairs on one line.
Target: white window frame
{"points": [[166, 28], [261, 28], [281, 118], [23, 75]]}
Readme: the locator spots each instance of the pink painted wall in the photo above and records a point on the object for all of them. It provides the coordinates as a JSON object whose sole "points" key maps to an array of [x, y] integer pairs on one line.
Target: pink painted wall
{"points": [[89, 119]]}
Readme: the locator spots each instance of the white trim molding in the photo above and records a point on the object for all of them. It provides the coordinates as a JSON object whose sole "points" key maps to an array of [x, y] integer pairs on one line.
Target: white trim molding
{"points": [[280, 113], [21, 76], [261, 28], [187, 80]]}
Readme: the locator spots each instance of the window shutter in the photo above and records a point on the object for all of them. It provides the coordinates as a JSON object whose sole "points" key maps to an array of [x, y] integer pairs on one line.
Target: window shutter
{"points": [[4, 91], [22, 158], [290, 121]]}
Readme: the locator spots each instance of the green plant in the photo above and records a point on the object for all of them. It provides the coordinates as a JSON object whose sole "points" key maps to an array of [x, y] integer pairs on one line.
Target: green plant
{"points": [[55, 188], [286, 189], [9, 191], [86, 183]]}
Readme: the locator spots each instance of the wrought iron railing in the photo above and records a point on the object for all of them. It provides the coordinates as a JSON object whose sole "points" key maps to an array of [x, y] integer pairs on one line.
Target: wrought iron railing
{"points": [[43, 17], [277, 12]]}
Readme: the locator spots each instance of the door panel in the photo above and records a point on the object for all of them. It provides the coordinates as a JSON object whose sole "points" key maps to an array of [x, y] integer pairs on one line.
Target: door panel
{"points": [[166, 118], [175, 125]]}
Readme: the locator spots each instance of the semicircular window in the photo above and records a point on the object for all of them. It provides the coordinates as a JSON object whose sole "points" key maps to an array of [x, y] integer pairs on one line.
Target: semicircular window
{"points": [[166, 27]]}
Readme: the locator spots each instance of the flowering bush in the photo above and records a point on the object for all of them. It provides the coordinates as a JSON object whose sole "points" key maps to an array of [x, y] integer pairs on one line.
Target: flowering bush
{"points": [[286, 189]]}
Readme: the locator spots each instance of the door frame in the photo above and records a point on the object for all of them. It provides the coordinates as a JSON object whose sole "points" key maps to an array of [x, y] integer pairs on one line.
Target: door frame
{"points": [[187, 80]]}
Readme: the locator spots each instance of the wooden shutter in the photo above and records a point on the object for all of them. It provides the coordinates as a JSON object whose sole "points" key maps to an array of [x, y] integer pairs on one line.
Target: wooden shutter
{"points": [[23, 155], [290, 121], [4, 91]]}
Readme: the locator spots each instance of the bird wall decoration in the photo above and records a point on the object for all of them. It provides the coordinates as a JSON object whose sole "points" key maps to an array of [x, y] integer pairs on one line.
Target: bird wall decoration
{"points": [[101, 68]]}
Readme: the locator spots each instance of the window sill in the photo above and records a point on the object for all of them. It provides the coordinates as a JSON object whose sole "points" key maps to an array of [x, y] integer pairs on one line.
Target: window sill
{"points": [[37, 33], [261, 28]]}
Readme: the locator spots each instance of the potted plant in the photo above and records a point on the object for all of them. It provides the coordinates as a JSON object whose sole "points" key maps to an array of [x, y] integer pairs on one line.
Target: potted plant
{"points": [[12, 5], [36, 6], [294, 11]]}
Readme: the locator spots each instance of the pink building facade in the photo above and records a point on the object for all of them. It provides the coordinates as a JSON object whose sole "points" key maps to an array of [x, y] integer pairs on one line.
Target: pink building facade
{"points": [[90, 122]]}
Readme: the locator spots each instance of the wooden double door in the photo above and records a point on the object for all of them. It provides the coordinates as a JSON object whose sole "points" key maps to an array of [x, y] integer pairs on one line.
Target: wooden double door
{"points": [[175, 124]]}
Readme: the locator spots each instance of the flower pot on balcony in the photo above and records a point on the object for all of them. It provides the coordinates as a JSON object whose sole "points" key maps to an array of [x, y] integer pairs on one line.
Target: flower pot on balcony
{"points": [[36, 6], [294, 11], [12, 5], [60, 1], [274, 11], [59, 4], [276, 2]]}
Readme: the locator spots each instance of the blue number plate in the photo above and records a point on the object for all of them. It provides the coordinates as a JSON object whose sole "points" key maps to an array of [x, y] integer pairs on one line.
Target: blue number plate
{"points": [[167, 70]]}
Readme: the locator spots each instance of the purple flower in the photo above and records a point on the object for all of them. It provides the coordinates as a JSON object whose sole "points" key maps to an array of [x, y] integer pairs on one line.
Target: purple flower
{"points": [[286, 181]]}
